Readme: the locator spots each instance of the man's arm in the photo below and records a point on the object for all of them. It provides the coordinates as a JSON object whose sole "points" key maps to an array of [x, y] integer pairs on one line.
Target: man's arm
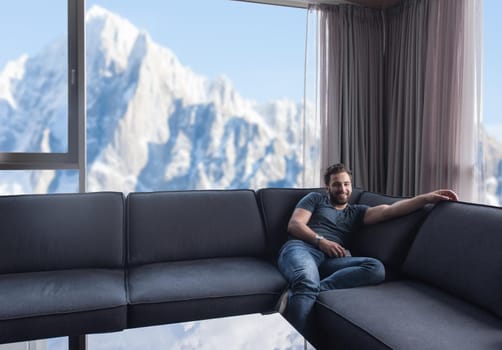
{"points": [[298, 228], [406, 206]]}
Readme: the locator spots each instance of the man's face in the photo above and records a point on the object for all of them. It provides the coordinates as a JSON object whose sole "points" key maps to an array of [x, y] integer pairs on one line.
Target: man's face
{"points": [[339, 189]]}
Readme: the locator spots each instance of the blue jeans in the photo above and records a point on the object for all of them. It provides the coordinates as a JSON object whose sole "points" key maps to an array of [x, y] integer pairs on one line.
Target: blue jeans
{"points": [[309, 271]]}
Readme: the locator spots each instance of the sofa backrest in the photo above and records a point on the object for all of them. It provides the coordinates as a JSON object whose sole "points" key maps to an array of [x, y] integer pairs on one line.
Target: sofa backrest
{"points": [[387, 241], [277, 205], [458, 248], [179, 225], [61, 231]]}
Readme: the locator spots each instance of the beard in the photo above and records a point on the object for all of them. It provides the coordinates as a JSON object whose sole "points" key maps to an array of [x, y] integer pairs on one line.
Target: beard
{"points": [[338, 197]]}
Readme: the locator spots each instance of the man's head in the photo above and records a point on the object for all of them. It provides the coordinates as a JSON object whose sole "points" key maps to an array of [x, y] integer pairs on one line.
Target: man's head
{"points": [[338, 181]]}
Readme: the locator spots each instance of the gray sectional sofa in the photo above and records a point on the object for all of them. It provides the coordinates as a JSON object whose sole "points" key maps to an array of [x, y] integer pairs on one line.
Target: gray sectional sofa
{"points": [[74, 264]]}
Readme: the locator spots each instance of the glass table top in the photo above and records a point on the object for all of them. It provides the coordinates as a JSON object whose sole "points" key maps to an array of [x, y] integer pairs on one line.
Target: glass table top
{"points": [[254, 331]]}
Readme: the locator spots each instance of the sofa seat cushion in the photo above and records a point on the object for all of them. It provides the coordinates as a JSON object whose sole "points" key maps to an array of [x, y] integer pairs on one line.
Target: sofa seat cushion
{"points": [[56, 303], [405, 315], [203, 288]]}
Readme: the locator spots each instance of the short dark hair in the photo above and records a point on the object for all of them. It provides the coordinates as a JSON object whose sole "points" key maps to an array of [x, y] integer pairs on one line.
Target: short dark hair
{"points": [[335, 169]]}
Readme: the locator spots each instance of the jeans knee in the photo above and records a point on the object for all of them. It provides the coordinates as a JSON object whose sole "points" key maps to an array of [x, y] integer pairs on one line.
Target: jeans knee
{"points": [[377, 270], [305, 284]]}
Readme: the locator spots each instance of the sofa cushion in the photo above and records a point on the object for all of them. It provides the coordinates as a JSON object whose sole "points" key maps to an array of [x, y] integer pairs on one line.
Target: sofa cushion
{"points": [[57, 303], [387, 241], [196, 289], [277, 205], [180, 225], [61, 231], [458, 249], [404, 315]]}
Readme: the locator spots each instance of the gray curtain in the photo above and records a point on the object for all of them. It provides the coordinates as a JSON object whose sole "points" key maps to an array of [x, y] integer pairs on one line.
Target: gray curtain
{"points": [[394, 87], [351, 92], [424, 95]]}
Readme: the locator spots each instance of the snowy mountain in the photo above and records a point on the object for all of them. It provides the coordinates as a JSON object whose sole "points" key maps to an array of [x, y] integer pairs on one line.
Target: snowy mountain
{"points": [[152, 123]]}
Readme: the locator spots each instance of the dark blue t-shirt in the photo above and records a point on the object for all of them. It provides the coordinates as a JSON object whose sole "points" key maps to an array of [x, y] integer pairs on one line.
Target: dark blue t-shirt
{"points": [[335, 225]]}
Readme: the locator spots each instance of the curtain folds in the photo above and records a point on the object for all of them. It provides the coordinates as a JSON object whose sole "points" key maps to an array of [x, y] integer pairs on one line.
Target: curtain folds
{"points": [[400, 94], [351, 86]]}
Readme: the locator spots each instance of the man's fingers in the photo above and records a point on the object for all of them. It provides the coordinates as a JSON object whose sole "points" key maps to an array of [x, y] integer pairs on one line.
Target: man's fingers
{"points": [[448, 195], [338, 250], [334, 249]]}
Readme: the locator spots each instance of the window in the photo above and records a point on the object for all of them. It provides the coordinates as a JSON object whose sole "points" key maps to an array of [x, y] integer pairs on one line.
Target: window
{"points": [[194, 94], [179, 100], [41, 84], [33, 85]]}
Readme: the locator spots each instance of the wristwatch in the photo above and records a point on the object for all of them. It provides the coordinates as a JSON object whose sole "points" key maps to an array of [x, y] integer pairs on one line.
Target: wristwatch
{"points": [[318, 240]]}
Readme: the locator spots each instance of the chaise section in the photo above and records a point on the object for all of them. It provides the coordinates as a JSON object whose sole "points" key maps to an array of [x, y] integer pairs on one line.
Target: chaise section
{"points": [[459, 250], [450, 299], [62, 265], [197, 254], [403, 315]]}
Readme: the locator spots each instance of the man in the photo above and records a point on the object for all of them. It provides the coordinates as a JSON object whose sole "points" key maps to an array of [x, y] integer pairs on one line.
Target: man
{"points": [[314, 259]]}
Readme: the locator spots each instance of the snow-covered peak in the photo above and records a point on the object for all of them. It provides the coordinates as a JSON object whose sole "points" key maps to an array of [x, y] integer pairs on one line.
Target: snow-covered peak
{"points": [[14, 70], [114, 45], [97, 11], [111, 34], [224, 95]]}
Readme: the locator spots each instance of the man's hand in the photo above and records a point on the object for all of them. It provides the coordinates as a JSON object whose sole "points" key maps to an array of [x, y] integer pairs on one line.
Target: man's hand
{"points": [[331, 249], [441, 195]]}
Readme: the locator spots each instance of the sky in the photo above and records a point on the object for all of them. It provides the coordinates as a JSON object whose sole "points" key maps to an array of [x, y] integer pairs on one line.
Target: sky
{"points": [[266, 56]]}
